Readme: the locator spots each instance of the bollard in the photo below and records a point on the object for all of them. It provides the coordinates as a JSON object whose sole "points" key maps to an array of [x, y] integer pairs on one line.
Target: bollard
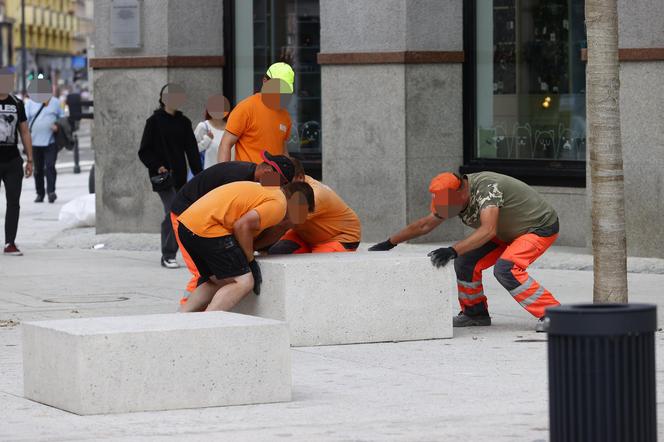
{"points": [[77, 166], [602, 372]]}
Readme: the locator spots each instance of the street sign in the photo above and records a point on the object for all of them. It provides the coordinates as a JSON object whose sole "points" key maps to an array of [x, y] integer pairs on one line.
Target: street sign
{"points": [[126, 24]]}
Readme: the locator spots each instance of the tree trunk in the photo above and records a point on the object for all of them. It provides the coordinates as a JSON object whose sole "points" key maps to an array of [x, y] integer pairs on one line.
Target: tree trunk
{"points": [[606, 163]]}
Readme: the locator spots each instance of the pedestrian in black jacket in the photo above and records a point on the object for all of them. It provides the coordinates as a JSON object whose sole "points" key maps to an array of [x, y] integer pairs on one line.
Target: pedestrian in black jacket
{"points": [[167, 138]]}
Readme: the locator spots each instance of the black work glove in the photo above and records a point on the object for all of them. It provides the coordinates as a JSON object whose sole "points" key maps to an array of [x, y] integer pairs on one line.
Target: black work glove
{"points": [[440, 257], [382, 246], [258, 278]]}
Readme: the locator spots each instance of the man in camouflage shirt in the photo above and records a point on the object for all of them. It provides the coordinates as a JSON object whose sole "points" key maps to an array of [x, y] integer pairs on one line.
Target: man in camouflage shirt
{"points": [[513, 226]]}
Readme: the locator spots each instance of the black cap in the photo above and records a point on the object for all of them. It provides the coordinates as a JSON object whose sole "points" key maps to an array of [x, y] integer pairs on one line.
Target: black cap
{"points": [[281, 163]]}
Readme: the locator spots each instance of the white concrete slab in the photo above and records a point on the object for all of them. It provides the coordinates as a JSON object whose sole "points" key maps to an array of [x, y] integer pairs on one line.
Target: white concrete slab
{"points": [[156, 362], [348, 298]]}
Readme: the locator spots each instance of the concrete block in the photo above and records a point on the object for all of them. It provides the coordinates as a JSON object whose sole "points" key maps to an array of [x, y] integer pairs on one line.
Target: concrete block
{"points": [[349, 298], [156, 362]]}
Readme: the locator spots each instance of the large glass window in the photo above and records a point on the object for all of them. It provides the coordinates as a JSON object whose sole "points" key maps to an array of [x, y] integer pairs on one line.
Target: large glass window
{"points": [[268, 31], [529, 84]]}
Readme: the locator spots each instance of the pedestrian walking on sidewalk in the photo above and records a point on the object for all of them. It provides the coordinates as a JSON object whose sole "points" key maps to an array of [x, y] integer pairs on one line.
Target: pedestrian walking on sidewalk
{"points": [[43, 111], [513, 226], [210, 131], [261, 122], [12, 122], [167, 145]]}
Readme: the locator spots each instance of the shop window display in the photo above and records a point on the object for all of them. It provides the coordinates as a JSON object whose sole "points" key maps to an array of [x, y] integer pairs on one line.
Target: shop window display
{"points": [[530, 80], [269, 31]]}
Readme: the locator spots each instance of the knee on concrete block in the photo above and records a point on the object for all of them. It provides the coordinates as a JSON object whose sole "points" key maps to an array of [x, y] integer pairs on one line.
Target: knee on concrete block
{"points": [[503, 273]]}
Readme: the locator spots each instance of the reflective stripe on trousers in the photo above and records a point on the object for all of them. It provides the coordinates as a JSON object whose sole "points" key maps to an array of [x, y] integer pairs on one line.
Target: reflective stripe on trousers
{"points": [[523, 288], [511, 272], [511, 261]]}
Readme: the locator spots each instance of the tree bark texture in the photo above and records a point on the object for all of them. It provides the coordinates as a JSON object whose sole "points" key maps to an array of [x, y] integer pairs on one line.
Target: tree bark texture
{"points": [[606, 161]]}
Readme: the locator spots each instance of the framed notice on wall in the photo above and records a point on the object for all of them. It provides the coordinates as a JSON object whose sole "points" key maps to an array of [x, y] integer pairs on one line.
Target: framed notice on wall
{"points": [[126, 24]]}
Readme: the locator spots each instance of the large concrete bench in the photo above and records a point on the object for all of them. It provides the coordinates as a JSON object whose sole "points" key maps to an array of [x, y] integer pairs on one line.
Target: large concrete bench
{"points": [[156, 362], [346, 298]]}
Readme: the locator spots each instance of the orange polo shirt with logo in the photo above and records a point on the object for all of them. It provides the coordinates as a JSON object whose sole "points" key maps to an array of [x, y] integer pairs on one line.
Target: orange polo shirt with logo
{"points": [[258, 128], [214, 214], [332, 219]]}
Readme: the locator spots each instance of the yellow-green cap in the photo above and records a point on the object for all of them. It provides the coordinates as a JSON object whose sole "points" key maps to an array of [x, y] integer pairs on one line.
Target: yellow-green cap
{"points": [[282, 71]]}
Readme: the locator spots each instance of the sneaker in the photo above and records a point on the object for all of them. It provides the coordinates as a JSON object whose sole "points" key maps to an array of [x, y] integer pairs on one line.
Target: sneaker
{"points": [[52, 197], [39, 199], [464, 320], [12, 250], [542, 325], [169, 263]]}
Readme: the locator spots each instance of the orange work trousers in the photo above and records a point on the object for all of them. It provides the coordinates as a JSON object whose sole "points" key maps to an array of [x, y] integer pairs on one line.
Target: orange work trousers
{"points": [[193, 282], [304, 247], [510, 262]]}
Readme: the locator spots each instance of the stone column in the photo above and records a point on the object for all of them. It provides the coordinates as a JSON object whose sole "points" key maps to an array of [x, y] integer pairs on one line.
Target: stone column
{"points": [[642, 124], [392, 106], [182, 43]]}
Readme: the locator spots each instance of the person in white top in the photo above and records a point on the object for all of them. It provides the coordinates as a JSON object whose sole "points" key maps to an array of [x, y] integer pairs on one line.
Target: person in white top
{"points": [[210, 132]]}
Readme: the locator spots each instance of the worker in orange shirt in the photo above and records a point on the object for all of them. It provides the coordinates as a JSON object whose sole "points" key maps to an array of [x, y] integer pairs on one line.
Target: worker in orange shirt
{"points": [[218, 232], [261, 122], [217, 176], [332, 227]]}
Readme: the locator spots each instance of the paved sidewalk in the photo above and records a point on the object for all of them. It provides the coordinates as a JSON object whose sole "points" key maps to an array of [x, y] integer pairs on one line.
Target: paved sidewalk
{"points": [[485, 384]]}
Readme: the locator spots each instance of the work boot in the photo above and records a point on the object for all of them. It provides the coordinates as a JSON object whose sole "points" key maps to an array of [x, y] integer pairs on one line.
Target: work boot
{"points": [[464, 320]]}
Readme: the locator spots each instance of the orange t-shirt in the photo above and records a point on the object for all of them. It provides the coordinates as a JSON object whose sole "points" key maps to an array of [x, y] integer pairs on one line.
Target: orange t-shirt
{"points": [[258, 128], [214, 214], [332, 219]]}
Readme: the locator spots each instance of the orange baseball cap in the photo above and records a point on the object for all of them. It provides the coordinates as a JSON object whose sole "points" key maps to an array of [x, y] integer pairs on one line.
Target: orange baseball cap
{"points": [[444, 181], [439, 186]]}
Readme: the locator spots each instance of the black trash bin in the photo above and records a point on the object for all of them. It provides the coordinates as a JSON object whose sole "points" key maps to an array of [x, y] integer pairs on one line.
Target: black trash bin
{"points": [[602, 372]]}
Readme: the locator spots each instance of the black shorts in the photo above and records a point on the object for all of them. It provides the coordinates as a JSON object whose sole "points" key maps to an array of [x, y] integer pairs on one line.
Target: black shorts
{"points": [[221, 257]]}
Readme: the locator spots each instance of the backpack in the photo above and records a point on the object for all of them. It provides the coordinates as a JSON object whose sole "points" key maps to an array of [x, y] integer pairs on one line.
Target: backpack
{"points": [[64, 138]]}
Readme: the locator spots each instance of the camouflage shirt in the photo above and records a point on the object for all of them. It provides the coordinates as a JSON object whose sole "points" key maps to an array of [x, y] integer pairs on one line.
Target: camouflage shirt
{"points": [[522, 209]]}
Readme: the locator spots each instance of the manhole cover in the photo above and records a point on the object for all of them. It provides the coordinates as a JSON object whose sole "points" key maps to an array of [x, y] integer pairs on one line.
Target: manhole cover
{"points": [[85, 299]]}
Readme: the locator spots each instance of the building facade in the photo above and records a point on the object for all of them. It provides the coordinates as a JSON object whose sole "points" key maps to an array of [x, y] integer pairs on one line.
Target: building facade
{"points": [[391, 92], [57, 35]]}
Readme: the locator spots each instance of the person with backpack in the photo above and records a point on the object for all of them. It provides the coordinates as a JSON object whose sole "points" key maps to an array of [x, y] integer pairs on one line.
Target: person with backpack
{"points": [[43, 112], [167, 145], [12, 122]]}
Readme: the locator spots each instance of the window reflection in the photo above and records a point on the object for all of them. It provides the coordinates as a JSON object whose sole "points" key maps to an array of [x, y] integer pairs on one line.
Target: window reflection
{"points": [[530, 80], [289, 31]]}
